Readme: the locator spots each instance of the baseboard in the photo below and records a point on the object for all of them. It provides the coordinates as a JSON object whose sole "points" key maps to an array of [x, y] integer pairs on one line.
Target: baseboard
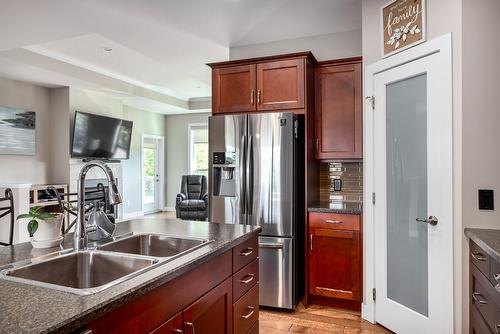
{"points": [[131, 215], [169, 209]]}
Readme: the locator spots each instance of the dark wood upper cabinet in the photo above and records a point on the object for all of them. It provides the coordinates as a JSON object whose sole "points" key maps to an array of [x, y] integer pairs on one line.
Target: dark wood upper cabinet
{"points": [[233, 89], [263, 84], [338, 108], [212, 313], [280, 85]]}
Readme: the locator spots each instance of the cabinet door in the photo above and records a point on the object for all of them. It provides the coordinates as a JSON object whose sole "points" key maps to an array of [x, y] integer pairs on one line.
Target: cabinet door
{"points": [[171, 326], [335, 264], [212, 313], [338, 107], [280, 85], [233, 89]]}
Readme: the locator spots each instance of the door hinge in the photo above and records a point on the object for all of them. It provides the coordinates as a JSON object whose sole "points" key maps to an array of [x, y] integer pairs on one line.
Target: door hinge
{"points": [[371, 99], [374, 294], [373, 198]]}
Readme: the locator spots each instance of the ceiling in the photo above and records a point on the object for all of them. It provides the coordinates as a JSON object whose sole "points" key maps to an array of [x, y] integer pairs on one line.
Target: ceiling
{"points": [[159, 47]]}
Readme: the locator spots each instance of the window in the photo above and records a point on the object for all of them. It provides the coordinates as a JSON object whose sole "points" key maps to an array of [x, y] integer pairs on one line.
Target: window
{"points": [[198, 149]]}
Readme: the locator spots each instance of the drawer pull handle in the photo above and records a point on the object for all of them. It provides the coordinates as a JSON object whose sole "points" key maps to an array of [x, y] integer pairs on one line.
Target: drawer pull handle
{"points": [[190, 324], [249, 314], [177, 331], [497, 327], [497, 278], [330, 221], [248, 279], [478, 256], [476, 295], [247, 251]]}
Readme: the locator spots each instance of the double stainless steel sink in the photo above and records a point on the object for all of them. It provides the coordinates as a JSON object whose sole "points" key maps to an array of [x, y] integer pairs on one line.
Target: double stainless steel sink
{"points": [[91, 271]]}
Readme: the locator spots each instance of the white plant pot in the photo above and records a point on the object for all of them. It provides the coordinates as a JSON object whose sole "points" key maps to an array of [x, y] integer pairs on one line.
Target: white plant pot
{"points": [[48, 233]]}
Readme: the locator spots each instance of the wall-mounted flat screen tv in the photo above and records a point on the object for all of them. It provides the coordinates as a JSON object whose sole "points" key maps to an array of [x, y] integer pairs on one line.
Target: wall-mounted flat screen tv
{"points": [[100, 137]]}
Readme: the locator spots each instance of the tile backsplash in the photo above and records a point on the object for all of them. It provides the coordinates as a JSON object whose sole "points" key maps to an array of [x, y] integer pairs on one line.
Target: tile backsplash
{"points": [[351, 174]]}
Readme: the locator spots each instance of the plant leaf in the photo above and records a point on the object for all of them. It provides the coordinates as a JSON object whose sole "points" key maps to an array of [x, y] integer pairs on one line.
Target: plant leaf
{"points": [[45, 215], [23, 216], [32, 227]]}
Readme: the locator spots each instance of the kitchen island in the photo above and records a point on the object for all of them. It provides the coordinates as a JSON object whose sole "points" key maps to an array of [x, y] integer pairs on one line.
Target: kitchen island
{"points": [[173, 293]]}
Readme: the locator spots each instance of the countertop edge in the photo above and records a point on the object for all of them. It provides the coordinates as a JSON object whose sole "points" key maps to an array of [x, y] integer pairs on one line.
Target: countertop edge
{"points": [[471, 234], [77, 322]]}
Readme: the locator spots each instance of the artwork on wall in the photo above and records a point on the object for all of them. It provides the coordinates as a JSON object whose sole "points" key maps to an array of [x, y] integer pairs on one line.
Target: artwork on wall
{"points": [[17, 131], [404, 25]]}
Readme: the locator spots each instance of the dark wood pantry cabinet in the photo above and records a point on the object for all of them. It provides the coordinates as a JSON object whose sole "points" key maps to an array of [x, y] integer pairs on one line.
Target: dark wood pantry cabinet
{"points": [[339, 110]]}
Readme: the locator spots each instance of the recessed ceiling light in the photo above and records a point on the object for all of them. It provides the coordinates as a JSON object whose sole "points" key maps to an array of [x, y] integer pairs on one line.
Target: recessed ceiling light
{"points": [[107, 49]]}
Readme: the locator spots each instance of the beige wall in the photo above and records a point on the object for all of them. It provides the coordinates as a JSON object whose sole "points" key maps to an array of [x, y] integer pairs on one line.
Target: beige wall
{"points": [[481, 117], [144, 123], [324, 47], [28, 169], [443, 16], [177, 147]]}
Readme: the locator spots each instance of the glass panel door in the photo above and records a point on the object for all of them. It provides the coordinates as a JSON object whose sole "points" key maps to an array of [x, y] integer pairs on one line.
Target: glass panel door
{"points": [[406, 161], [150, 168]]}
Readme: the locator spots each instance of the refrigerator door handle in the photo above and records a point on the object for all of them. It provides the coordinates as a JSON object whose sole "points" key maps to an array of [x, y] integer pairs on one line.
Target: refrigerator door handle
{"points": [[249, 176], [270, 245], [243, 173]]}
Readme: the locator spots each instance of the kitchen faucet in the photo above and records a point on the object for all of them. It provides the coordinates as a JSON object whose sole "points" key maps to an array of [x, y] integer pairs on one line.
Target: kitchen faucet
{"points": [[80, 235]]}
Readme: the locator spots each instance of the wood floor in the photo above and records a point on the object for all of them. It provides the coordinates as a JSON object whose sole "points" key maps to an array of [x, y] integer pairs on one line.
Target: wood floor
{"points": [[316, 319]]}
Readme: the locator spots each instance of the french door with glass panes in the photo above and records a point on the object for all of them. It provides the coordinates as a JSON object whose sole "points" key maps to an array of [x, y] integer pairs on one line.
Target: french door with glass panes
{"points": [[412, 180], [151, 174]]}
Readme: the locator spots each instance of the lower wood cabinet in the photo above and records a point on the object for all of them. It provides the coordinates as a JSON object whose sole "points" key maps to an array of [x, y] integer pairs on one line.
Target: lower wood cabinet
{"points": [[484, 297], [212, 313], [198, 302], [335, 257]]}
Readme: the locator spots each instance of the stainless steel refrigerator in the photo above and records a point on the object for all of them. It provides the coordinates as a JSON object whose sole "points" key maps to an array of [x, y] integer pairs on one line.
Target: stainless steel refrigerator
{"points": [[256, 179]]}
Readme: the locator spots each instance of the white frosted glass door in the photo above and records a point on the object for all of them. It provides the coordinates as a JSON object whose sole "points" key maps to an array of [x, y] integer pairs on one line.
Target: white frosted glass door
{"points": [[150, 175], [413, 210]]}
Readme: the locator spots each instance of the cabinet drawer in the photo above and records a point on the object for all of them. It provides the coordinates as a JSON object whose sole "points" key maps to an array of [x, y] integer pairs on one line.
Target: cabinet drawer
{"points": [[495, 273], [486, 298], [246, 311], [245, 253], [334, 221], [245, 279], [480, 259]]}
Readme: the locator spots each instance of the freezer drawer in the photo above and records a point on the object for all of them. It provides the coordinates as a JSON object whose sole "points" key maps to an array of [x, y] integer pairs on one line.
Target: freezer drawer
{"points": [[276, 272]]}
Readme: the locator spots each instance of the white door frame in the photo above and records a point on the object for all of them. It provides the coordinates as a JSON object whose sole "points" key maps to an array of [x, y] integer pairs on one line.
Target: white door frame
{"points": [[443, 46], [161, 169]]}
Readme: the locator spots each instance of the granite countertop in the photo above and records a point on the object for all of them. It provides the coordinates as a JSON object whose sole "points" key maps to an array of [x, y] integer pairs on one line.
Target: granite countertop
{"points": [[31, 309], [487, 239], [349, 208]]}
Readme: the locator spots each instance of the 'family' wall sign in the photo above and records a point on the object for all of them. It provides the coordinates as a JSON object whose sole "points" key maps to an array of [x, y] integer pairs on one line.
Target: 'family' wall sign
{"points": [[403, 23]]}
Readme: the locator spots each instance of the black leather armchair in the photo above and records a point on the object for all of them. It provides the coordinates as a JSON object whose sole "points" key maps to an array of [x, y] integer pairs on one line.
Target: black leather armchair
{"points": [[192, 202]]}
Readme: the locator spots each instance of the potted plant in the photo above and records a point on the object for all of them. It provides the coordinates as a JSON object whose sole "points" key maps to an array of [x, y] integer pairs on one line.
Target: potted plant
{"points": [[44, 228]]}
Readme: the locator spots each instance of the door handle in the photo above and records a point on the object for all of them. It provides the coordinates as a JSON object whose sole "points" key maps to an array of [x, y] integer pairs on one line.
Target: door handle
{"points": [[259, 97], [243, 174], [249, 314], [431, 220], [476, 295], [311, 241], [247, 280], [271, 245], [480, 257], [249, 176], [247, 252], [191, 325], [252, 97]]}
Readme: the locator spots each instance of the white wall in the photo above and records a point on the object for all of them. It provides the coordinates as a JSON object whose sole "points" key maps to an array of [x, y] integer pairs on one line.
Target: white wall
{"points": [[28, 169], [324, 47], [443, 16], [177, 147], [144, 122]]}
